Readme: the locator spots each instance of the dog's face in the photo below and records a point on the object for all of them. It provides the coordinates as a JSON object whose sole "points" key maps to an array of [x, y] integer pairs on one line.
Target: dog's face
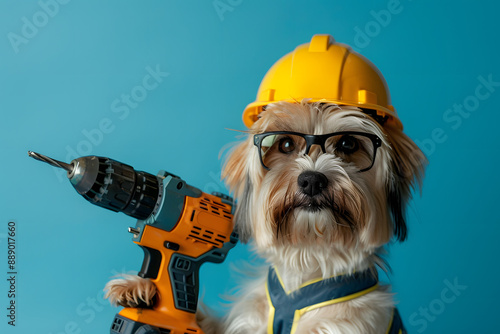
{"points": [[347, 190]]}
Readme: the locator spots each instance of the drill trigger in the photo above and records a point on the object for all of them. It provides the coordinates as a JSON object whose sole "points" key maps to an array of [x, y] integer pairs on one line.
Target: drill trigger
{"points": [[151, 263]]}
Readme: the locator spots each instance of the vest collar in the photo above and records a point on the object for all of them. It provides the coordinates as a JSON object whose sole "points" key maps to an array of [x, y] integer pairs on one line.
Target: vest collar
{"points": [[286, 307]]}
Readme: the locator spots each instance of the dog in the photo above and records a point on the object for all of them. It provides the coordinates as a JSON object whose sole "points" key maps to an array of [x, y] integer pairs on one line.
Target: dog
{"points": [[321, 188]]}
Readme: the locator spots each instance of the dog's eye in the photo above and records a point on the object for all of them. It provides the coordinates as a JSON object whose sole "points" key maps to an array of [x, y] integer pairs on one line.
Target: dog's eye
{"points": [[347, 144], [286, 145]]}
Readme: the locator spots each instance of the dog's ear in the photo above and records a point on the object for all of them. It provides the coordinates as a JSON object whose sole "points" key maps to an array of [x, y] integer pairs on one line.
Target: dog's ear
{"points": [[236, 175], [408, 165]]}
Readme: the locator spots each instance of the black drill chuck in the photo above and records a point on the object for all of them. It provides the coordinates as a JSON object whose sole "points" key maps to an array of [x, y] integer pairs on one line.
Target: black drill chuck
{"points": [[110, 184]]}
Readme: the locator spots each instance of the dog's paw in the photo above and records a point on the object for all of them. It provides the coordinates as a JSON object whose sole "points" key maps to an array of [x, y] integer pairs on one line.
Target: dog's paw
{"points": [[131, 291]]}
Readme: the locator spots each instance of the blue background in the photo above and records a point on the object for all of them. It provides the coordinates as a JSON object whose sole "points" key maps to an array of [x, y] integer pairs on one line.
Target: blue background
{"points": [[60, 82]]}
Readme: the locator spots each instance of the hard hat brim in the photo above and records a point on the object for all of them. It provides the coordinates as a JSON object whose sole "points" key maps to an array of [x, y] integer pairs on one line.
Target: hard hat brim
{"points": [[252, 111]]}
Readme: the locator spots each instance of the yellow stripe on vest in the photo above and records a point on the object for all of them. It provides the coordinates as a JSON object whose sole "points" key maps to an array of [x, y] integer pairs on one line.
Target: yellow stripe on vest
{"points": [[301, 312]]}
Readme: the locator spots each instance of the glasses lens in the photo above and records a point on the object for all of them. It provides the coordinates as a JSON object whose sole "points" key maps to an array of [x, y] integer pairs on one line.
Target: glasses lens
{"points": [[354, 149], [281, 148]]}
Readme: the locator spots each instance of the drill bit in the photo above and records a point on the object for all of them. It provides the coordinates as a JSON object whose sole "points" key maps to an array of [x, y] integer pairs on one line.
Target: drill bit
{"points": [[50, 161]]}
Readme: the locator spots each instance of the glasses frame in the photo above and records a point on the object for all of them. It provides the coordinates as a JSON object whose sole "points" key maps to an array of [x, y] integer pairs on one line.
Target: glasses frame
{"points": [[318, 140]]}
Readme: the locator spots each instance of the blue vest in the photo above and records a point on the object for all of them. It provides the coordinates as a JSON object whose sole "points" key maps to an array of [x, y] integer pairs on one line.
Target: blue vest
{"points": [[286, 308]]}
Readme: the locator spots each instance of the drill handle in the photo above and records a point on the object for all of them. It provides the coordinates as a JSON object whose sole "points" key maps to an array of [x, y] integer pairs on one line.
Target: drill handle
{"points": [[183, 271], [184, 274]]}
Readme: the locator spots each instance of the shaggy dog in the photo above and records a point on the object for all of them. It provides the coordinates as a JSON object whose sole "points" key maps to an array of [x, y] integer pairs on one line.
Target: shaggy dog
{"points": [[321, 188], [319, 209]]}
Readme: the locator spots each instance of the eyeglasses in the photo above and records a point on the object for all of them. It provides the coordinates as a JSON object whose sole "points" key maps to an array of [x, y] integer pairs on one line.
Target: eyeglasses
{"points": [[354, 148]]}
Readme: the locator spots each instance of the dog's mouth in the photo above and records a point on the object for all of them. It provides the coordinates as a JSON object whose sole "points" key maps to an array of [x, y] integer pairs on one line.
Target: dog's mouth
{"points": [[314, 205], [309, 204]]}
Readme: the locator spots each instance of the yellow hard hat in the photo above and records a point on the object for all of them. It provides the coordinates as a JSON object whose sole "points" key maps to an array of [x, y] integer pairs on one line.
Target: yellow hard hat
{"points": [[324, 70]]}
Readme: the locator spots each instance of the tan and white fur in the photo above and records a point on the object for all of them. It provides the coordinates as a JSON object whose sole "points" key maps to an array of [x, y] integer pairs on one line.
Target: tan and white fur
{"points": [[356, 215]]}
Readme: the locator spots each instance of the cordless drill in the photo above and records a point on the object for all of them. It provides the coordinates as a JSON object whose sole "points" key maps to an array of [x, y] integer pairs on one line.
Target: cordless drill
{"points": [[179, 228]]}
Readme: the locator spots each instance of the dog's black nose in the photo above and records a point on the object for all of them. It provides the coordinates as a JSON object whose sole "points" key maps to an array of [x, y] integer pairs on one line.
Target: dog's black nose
{"points": [[312, 183]]}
